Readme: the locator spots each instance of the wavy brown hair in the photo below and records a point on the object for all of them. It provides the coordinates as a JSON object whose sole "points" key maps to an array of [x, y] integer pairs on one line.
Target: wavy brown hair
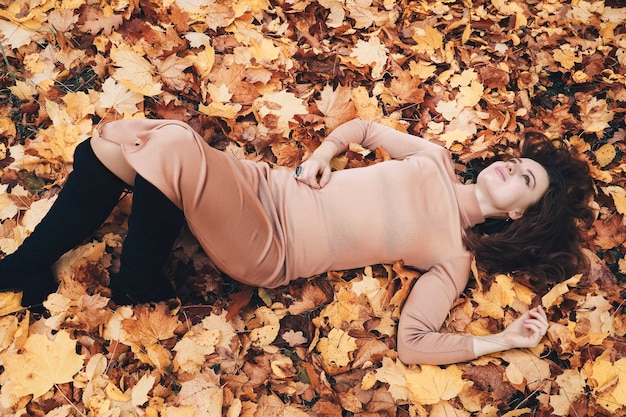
{"points": [[545, 243]]}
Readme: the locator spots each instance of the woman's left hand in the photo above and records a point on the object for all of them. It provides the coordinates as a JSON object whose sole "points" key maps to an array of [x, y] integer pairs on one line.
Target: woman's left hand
{"points": [[315, 172], [528, 330]]}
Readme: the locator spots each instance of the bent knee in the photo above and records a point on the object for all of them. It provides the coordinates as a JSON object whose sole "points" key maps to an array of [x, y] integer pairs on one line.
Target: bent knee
{"points": [[112, 157]]}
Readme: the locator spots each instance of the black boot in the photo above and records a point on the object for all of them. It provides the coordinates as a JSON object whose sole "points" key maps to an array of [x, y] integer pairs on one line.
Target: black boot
{"points": [[86, 200], [153, 226]]}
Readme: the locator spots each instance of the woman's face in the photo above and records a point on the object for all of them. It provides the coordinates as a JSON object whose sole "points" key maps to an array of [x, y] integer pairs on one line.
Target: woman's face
{"points": [[509, 188]]}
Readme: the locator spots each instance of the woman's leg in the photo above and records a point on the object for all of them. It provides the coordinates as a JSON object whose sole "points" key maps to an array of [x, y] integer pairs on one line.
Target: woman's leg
{"points": [[153, 226], [86, 200]]}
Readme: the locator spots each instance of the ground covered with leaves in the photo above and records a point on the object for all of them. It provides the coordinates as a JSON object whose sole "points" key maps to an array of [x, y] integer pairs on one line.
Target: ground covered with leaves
{"points": [[267, 80]]}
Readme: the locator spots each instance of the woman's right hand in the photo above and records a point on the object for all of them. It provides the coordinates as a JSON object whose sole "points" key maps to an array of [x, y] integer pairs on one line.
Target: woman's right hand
{"points": [[528, 330], [525, 332], [315, 172]]}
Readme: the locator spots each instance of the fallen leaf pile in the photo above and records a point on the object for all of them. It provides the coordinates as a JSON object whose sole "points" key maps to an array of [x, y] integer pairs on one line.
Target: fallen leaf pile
{"points": [[267, 80]]}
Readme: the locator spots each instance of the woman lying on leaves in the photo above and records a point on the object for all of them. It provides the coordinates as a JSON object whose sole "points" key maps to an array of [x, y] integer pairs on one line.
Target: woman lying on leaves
{"points": [[266, 227]]}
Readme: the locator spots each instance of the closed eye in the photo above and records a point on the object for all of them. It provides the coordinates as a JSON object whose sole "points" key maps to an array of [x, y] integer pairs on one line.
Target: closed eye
{"points": [[525, 176]]}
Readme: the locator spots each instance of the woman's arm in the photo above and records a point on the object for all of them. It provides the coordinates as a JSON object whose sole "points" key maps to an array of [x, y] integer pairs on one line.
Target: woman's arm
{"points": [[316, 171], [420, 340], [372, 135]]}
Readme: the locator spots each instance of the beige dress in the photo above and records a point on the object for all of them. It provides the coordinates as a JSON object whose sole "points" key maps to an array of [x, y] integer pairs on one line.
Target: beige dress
{"points": [[263, 228]]}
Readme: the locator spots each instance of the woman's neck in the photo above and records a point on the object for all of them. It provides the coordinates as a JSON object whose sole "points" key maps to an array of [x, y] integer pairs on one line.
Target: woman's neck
{"points": [[486, 208]]}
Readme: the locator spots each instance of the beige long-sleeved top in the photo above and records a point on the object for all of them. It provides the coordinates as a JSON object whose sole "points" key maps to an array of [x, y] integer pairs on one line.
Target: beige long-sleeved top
{"points": [[264, 228]]}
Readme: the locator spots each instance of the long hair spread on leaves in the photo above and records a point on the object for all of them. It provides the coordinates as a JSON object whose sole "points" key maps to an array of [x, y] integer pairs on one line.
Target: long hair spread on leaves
{"points": [[544, 243]]}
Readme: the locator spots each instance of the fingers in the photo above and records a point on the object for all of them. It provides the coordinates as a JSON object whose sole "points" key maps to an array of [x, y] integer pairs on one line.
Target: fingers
{"points": [[537, 322], [313, 173], [539, 314], [325, 176]]}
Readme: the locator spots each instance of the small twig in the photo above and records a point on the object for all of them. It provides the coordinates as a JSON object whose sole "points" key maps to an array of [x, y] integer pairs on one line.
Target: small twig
{"points": [[7, 63], [69, 401]]}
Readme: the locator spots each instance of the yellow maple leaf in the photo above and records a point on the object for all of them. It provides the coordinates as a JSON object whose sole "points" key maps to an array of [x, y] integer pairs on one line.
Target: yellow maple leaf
{"points": [[144, 332], [282, 104], [366, 105], [36, 212], [28, 14], [393, 373], [7, 129], [336, 349], [428, 40], [463, 79], [170, 70], [422, 69], [337, 13], [336, 105], [43, 363], [608, 380], [372, 289], [372, 53], [66, 132], [454, 136], [79, 104], [343, 312], [265, 50], [204, 393], [432, 384], [294, 338], [66, 266], [134, 71], [92, 311], [445, 409], [595, 114], [43, 71], [566, 56], [449, 109], [192, 349], [150, 325], [118, 97], [500, 295], [597, 309], [470, 95]]}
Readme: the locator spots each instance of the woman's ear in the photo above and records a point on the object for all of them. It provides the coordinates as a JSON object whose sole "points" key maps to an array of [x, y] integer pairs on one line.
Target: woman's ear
{"points": [[515, 214]]}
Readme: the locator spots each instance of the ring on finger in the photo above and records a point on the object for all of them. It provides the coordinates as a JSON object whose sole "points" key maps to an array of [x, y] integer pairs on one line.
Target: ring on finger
{"points": [[298, 170]]}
